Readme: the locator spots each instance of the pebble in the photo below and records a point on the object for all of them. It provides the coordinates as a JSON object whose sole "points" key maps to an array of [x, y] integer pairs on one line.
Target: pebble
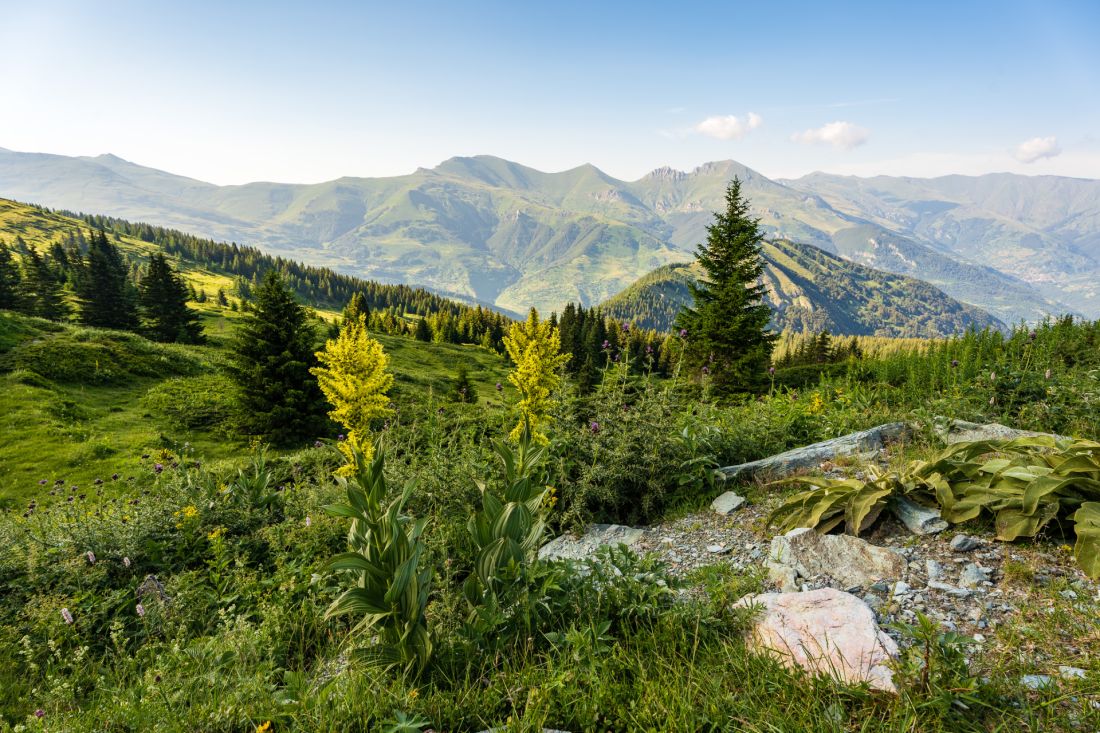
{"points": [[1071, 673], [964, 543], [1071, 595], [973, 576], [934, 570], [1036, 681]]}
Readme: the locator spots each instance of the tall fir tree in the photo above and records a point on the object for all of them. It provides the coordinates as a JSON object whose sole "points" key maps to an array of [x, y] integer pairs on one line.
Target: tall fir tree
{"points": [[274, 353], [9, 279], [107, 297], [727, 326], [40, 287], [163, 299]]}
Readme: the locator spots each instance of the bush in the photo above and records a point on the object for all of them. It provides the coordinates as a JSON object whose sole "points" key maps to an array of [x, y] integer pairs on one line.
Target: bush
{"points": [[205, 402]]}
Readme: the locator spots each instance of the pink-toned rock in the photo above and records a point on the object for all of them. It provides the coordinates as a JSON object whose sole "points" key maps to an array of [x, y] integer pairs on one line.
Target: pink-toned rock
{"points": [[827, 631]]}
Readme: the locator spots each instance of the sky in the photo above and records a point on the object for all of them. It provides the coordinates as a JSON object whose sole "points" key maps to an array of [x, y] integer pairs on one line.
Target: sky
{"points": [[231, 92]]}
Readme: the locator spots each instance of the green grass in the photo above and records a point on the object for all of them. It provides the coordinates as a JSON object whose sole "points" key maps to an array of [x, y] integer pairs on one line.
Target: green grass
{"points": [[82, 404]]}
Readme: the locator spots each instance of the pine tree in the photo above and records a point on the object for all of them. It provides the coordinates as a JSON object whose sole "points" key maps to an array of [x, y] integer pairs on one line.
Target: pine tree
{"points": [[103, 287], [41, 289], [423, 331], [272, 361], [10, 284], [727, 327], [163, 299]]}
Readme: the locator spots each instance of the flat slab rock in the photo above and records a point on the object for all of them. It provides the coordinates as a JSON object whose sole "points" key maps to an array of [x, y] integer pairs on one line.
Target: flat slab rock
{"points": [[569, 547], [823, 631], [863, 442], [851, 561], [727, 502], [961, 431]]}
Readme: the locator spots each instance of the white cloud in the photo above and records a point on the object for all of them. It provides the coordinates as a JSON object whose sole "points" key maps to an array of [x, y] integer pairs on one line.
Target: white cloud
{"points": [[1036, 148], [729, 127], [842, 135]]}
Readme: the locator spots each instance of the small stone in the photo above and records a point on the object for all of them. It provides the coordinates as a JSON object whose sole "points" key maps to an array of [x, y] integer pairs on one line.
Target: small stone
{"points": [[974, 614], [718, 549], [1071, 673], [1068, 594], [902, 589], [980, 638], [964, 543], [934, 570], [727, 502], [973, 576], [1036, 681]]}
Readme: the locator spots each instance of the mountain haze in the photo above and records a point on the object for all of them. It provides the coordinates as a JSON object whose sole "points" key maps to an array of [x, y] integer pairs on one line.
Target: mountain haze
{"points": [[491, 230]]}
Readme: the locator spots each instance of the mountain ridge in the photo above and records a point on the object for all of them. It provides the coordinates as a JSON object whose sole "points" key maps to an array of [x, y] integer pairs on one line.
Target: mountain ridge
{"points": [[497, 231]]}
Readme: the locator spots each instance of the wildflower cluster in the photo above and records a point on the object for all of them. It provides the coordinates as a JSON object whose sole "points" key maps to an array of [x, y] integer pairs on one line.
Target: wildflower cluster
{"points": [[354, 380], [534, 347]]}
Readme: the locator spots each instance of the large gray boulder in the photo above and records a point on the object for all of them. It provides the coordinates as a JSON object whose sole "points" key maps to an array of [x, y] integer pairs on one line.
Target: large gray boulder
{"points": [[961, 431], [850, 561], [865, 442], [570, 547], [823, 631]]}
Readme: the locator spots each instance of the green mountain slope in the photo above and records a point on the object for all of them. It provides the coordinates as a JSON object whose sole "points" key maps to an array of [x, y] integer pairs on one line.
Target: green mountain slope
{"points": [[491, 230], [811, 290]]}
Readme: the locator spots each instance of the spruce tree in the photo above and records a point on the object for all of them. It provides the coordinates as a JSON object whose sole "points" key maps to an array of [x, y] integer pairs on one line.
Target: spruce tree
{"points": [[273, 357], [41, 289], [727, 327], [104, 289], [164, 311], [9, 280], [423, 331]]}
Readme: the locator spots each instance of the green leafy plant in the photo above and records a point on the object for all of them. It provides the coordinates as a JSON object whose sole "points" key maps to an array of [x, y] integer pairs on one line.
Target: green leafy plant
{"points": [[1025, 483], [511, 524], [391, 589]]}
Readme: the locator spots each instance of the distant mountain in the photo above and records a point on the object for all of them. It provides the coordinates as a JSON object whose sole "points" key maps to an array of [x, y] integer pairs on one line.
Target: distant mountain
{"points": [[809, 289], [1044, 230], [491, 230]]}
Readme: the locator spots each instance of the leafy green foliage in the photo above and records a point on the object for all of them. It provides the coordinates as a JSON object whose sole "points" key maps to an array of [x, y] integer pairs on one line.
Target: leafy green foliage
{"points": [[391, 586]]}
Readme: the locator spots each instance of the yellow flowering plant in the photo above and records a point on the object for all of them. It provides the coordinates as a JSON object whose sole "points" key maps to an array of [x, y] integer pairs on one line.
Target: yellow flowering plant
{"points": [[354, 380], [534, 346]]}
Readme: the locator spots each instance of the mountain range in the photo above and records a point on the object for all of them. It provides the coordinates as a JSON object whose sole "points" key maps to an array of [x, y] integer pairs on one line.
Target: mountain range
{"points": [[488, 229]]}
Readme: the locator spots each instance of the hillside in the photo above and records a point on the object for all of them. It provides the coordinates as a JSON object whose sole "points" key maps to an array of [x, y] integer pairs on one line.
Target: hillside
{"points": [[494, 231], [812, 290]]}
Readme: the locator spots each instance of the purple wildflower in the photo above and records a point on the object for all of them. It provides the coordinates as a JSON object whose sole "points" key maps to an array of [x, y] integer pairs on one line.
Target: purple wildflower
{"points": [[341, 437], [626, 327], [954, 363], [771, 371], [594, 427], [140, 610], [158, 467], [126, 561], [317, 444], [114, 477], [706, 370], [606, 345], [42, 482], [683, 333], [66, 615], [308, 521], [649, 349], [91, 557], [98, 481], [40, 713]]}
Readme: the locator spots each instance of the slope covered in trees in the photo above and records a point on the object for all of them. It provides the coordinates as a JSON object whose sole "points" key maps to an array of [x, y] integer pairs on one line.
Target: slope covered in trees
{"points": [[811, 290]]}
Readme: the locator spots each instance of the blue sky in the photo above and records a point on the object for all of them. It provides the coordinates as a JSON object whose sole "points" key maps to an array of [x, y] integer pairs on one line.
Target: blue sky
{"points": [[234, 92]]}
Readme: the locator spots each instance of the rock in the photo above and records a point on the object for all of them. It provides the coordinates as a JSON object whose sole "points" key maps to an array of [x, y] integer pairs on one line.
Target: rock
{"points": [[1036, 681], [850, 560], [824, 631], [961, 431], [973, 576], [934, 571], [718, 549], [1071, 673], [964, 543], [864, 442], [950, 589], [783, 577], [902, 589], [727, 502], [568, 547], [1069, 595], [918, 519]]}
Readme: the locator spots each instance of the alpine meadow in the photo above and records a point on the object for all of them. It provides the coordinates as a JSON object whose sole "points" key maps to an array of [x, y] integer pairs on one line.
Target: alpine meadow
{"points": [[805, 443]]}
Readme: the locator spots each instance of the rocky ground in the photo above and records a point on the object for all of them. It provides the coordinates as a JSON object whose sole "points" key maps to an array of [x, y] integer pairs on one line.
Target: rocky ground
{"points": [[1024, 604]]}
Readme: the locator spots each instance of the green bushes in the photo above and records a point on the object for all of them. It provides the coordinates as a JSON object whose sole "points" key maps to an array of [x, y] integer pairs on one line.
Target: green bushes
{"points": [[204, 402]]}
